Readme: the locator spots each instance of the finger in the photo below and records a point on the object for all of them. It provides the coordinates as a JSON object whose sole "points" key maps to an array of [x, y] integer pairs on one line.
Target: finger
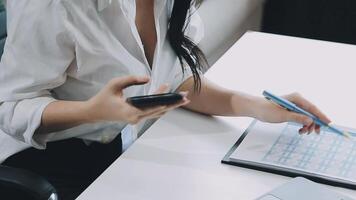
{"points": [[124, 82], [164, 109], [317, 112], [153, 116], [184, 93], [156, 116], [139, 112], [153, 110], [149, 111], [311, 128], [299, 118], [317, 129], [141, 115], [162, 89], [183, 102], [308, 106], [159, 114], [303, 130]]}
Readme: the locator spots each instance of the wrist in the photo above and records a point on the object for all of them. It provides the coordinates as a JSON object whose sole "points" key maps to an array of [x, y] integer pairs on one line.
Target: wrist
{"points": [[245, 105], [88, 112], [257, 108]]}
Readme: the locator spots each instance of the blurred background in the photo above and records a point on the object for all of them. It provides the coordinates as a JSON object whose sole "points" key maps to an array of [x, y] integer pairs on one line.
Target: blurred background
{"points": [[227, 20], [332, 20]]}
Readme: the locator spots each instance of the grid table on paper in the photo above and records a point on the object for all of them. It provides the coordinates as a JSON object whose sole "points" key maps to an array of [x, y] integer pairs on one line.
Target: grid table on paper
{"points": [[325, 153]]}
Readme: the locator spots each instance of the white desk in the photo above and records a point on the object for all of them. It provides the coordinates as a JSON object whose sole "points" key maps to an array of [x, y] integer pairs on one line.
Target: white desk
{"points": [[179, 156]]}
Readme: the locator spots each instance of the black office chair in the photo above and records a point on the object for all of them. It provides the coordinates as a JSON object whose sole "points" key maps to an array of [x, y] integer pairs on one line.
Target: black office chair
{"points": [[19, 183]]}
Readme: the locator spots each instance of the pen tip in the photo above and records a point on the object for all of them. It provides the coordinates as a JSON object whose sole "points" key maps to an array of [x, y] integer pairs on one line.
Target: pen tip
{"points": [[346, 134]]}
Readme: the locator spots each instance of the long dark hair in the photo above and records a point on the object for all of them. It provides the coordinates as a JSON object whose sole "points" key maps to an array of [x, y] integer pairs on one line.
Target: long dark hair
{"points": [[186, 50]]}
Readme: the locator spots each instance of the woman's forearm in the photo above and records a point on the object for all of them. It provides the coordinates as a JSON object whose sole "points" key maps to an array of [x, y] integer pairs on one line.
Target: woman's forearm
{"points": [[215, 100], [61, 115], [109, 104]]}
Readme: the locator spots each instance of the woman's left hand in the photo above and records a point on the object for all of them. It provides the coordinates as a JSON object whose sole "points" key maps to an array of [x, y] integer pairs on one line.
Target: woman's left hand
{"points": [[269, 112]]}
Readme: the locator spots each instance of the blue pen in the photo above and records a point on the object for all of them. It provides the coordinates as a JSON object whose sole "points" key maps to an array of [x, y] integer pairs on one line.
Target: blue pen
{"points": [[294, 108]]}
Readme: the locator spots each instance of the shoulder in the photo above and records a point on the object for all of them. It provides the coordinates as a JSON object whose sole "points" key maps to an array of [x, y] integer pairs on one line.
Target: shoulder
{"points": [[35, 21], [35, 31], [33, 15], [32, 8]]}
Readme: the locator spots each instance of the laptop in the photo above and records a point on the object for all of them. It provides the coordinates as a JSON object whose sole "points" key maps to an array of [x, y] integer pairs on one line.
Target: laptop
{"points": [[301, 188]]}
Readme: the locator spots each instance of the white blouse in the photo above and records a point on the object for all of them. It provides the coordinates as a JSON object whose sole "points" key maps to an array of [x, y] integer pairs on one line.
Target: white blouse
{"points": [[70, 49]]}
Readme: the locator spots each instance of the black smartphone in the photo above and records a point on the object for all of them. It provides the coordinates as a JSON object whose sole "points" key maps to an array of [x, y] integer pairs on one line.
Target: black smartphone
{"points": [[155, 100]]}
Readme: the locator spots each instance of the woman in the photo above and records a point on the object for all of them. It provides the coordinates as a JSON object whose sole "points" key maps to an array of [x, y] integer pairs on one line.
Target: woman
{"points": [[69, 65]]}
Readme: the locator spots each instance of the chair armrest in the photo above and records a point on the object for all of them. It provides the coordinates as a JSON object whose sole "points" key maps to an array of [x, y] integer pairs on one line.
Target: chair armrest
{"points": [[27, 182]]}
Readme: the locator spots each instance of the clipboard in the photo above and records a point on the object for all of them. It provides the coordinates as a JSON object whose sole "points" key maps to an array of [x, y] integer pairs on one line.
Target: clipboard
{"points": [[279, 169]]}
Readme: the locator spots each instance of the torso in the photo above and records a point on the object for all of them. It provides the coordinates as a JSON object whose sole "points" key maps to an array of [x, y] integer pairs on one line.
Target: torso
{"points": [[87, 44], [146, 27]]}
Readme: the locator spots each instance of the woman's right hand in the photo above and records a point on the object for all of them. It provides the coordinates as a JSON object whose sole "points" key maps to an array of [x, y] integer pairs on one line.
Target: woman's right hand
{"points": [[110, 105]]}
